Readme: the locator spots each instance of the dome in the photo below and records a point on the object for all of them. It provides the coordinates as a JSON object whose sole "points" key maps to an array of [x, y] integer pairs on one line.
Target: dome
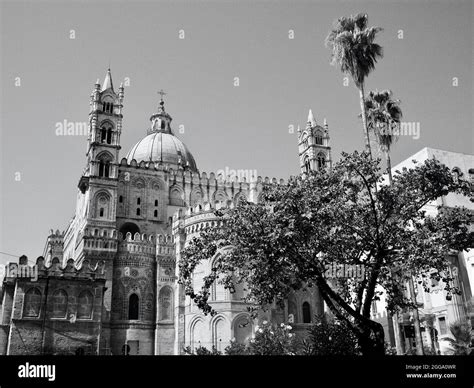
{"points": [[162, 147]]}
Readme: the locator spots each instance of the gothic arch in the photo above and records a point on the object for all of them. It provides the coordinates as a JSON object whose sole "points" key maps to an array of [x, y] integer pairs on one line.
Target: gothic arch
{"points": [[318, 137], [165, 300], [102, 204], [220, 330], [32, 303], [242, 328], [59, 301], [196, 197], [197, 333], [321, 159], [176, 196], [219, 196]]}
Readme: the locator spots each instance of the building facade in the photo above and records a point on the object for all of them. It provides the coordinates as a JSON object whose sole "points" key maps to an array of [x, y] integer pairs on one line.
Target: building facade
{"points": [[133, 217]]}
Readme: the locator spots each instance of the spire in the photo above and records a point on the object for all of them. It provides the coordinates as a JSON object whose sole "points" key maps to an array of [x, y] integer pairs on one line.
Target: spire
{"points": [[160, 121], [311, 119], [108, 81]]}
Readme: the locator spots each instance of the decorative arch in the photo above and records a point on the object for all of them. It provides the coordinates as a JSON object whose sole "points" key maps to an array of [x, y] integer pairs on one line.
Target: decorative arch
{"points": [[307, 164], [104, 159], [197, 333], [60, 301], [32, 303], [177, 196], [196, 197], [318, 137], [321, 159], [240, 197], [133, 306], [219, 196], [165, 300], [242, 327], [102, 204], [220, 330], [85, 303]]}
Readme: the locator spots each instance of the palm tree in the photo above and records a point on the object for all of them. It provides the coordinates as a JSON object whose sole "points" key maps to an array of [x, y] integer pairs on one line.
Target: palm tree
{"points": [[354, 50], [462, 342], [383, 118], [383, 115]]}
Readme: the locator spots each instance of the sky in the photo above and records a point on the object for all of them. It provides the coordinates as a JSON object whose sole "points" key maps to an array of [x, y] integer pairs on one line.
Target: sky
{"points": [[51, 54]]}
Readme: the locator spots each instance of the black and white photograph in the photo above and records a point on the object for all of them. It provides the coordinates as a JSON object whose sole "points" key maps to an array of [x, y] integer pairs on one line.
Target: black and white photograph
{"points": [[283, 188]]}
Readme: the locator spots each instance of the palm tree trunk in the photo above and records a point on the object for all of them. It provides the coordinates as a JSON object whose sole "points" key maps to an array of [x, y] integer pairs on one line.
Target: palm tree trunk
{"points": [[389, 167], [396, 325], [364, 120]]}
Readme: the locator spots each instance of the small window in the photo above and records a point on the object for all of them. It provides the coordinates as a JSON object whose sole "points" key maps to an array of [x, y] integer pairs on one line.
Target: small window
{"points": [[306, 313], [109, 136], [32, 303], [155, 213], [133, 304], [120, 199], [163, 123], [84, 305], [138, 211], [138, 201], [59, 304], [156, 202], [101, 212]]}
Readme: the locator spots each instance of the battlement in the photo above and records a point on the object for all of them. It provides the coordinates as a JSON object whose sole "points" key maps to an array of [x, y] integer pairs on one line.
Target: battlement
{"points": [[197, 178], [22, 270]]}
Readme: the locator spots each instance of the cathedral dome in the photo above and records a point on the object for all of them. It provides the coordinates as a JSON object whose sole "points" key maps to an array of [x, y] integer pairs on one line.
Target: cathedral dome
{"points": [[161, 145]]}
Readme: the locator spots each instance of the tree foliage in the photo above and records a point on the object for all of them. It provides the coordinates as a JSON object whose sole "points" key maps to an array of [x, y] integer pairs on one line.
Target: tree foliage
{"points": [[286, 241]]}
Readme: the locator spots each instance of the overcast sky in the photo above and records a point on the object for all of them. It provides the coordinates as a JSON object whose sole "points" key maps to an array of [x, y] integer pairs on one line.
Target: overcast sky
{"points": [[239, 127]]}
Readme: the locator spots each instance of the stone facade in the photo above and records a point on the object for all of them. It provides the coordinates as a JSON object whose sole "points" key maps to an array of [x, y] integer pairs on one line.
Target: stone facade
{"points": [[133, 216]]}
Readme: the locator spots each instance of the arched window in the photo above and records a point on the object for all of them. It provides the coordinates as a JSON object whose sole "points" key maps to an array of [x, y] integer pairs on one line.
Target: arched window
{"points": [[306, 313], [59, 304], [138, 201], [155, 213], [321, 161], [166, 304], [101, 213], [109, 136], [104, 167], [163, 124], [32, 303], [318, 138], [103, 135], [156, 202], [120, 199], [307, 165], [133, 306], [138, 211], [242, 329], [84, 305]]}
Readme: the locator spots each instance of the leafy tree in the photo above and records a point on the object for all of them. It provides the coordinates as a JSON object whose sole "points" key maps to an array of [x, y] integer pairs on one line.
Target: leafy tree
{"points": [[330, 336], [288, 240], [354, 49], [462, 342]]}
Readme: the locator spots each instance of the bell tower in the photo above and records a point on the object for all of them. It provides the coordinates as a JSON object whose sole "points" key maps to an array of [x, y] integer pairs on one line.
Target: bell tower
{"points": [[313, 146]]}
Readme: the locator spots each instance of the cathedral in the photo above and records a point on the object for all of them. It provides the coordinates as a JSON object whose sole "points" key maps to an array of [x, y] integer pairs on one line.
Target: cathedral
{"points": [[108, 283]]}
